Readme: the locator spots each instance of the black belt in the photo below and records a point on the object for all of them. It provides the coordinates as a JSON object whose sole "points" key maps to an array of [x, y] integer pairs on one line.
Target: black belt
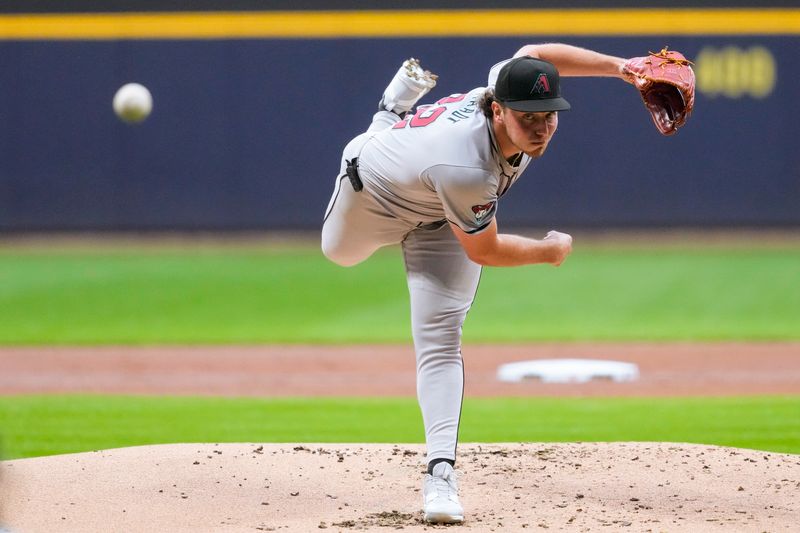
{"points": [[352, 174]]}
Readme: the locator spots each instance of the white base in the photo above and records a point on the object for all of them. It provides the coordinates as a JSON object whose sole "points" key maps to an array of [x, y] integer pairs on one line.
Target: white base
{"points": [[568, 371]]}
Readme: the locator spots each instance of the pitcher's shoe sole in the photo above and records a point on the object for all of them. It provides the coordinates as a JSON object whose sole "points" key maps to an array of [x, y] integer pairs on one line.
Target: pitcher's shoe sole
{"points": [[443, 518], [410, 83]]}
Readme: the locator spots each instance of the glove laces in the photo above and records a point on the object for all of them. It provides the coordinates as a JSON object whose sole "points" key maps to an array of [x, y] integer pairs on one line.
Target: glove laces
{"points": [[664, 54]]}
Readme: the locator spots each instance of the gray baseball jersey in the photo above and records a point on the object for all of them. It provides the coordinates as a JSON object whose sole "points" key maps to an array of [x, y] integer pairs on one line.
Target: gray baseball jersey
{"points": [[440, 163]]}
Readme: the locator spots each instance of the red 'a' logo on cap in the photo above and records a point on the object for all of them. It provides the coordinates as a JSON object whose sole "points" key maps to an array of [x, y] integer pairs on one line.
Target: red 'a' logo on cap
{"points": [[542, 84]]}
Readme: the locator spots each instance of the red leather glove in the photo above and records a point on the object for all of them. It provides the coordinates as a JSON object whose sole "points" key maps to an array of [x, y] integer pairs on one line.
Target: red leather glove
{"points": [[666, 83]]}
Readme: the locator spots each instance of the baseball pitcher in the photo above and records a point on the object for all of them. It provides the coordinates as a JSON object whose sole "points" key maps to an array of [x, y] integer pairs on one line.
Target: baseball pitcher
{"points": [[432, 180]]}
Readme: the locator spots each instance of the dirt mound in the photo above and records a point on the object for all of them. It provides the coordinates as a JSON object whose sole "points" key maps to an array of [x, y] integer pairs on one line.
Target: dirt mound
{"points": [[340, 487]]}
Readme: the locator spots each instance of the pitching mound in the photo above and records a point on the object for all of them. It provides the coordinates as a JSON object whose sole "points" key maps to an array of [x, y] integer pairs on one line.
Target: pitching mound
{"points": [[504, 487]]}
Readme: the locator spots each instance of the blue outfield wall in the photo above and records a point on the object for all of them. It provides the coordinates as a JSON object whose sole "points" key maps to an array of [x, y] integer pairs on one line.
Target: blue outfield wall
{"points": [[246, 134]]}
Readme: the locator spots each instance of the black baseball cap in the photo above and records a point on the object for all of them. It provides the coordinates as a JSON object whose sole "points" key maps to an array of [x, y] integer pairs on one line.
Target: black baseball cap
{"points": [[529, 84]]}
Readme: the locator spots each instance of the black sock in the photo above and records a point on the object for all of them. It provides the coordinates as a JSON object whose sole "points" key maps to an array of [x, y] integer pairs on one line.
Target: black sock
{"points": [[437, 461]]}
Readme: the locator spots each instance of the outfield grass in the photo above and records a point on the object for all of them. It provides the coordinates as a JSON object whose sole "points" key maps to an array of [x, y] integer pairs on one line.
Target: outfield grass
{"points": [[45, 425], [223, 296]]}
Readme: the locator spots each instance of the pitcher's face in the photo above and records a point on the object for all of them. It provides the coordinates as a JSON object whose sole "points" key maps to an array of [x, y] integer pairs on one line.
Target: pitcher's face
{"points": [[529, 132]]}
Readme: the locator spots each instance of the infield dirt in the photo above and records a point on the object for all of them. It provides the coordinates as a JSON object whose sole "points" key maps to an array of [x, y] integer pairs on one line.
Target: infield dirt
{"points": [[667, 369]]}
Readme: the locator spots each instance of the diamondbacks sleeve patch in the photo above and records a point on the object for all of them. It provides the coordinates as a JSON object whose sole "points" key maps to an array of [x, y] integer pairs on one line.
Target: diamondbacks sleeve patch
{"points": [[482, 210]]}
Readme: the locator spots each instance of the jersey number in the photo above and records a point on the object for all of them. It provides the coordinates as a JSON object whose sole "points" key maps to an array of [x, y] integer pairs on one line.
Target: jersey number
{"points": [[426, 114]]}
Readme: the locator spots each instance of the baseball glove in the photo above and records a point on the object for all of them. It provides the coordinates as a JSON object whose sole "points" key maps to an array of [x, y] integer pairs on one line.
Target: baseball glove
{"points": [[666, 83]]}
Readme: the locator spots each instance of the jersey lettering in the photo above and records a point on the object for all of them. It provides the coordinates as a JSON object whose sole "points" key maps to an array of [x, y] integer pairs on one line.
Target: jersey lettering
{"points": [[451, 99], [426, 114], [402, 124], [423, 117]]}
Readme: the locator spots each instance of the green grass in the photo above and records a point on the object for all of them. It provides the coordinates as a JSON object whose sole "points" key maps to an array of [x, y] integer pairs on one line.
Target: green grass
{"points": [[210, 296], [43, 425]]}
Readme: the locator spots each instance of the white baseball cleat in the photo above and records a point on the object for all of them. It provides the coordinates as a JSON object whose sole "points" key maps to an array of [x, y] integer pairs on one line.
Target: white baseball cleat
{"points": [[409, 84], [440, 496]]}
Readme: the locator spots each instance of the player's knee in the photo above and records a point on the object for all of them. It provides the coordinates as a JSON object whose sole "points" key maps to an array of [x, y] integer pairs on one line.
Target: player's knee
{"points": [[438, 329], [338, 254], [333, 255]]}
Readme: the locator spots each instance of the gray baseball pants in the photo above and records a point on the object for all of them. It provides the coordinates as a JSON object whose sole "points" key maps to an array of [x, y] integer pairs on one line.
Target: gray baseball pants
{"points": [[442, 282]]}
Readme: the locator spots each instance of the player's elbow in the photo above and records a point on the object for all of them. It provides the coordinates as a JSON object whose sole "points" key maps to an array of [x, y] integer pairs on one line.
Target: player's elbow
{"points": [[480, 247], [478, 258], [486, 260], [482, 255]]}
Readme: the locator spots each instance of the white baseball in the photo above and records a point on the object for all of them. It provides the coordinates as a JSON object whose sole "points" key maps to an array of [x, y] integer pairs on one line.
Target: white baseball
{"points": [[133, 102]]}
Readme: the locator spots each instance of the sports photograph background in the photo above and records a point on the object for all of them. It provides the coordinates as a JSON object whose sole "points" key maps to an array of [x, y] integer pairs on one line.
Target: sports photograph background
{"points": [[162, 284]]}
